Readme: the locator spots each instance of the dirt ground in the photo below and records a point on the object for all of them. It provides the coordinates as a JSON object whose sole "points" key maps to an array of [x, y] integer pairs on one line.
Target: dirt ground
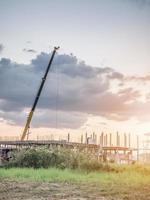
{"points": [[11, 190], [19, 190]]}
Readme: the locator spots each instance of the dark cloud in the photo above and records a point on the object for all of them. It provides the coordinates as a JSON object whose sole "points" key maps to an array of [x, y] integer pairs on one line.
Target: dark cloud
{"points": [[29, 50], [69, 65], [116, 75], [1, 47], [72, 88], [47, 118], [141, 3]]}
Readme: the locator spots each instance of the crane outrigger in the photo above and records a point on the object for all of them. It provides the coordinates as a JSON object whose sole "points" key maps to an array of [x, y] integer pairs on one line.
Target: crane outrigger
{"points": [[27, 125]]}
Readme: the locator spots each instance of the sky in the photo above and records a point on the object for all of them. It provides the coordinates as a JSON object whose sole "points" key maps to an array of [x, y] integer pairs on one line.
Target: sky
{"points": [[100, 77]]}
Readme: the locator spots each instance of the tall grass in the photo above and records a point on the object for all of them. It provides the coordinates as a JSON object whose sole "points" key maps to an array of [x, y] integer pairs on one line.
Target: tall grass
{"points": [[129, 177]]}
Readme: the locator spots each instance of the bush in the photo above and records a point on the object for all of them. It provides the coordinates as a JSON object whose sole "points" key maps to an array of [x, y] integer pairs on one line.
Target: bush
{"points": [[35, 158], [62, 158], [43, 157]]}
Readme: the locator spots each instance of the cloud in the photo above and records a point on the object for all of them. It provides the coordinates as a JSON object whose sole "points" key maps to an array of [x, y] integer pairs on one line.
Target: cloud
{"points": [[29, 50], [116, 75], [47, 118], [145, 78], [1, 48], [141, 3], [73, 89]]}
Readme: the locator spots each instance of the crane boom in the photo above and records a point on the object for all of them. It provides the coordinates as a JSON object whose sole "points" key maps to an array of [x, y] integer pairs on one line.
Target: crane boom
{"points": [[27, 126]]}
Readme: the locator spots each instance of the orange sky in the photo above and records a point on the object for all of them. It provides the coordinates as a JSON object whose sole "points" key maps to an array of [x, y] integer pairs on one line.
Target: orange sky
{"points": [[100, 78]]}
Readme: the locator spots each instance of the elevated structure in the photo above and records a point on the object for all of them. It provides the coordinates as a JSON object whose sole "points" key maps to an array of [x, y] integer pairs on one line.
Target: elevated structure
{"points": [[104, 153]]}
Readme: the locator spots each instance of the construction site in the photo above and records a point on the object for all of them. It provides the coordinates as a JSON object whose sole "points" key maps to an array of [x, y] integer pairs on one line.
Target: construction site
{"points": [[118, 148], [75, 100]]}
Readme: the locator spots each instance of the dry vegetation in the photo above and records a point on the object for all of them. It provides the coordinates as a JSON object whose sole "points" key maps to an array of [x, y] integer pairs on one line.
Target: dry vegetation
{"points": [[71, 177]]}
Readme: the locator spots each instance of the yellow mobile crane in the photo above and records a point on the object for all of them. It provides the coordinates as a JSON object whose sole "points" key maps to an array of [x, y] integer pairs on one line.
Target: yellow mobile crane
{"points": [[27, 126]]}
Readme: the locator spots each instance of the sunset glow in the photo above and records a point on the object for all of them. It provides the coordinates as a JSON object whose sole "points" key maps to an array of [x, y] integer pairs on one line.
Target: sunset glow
{"points": [[100, 78]]}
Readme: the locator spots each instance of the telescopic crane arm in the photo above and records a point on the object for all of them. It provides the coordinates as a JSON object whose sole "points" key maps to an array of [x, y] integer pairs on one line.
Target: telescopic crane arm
{"points": [[27, 126]]}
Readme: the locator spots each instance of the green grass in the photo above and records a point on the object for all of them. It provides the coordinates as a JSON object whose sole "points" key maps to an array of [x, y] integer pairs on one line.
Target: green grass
{"points": [[131, 183], [127, 177]]}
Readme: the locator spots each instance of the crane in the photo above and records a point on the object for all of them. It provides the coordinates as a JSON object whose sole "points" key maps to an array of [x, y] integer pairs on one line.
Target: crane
{"points": [[27, 125]]}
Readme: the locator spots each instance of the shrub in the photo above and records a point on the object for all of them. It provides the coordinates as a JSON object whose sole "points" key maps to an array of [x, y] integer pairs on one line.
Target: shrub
{"points": [[65, 158], [41, 157]]}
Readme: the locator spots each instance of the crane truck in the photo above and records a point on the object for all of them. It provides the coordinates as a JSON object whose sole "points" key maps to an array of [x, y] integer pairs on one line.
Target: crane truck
{"points": [[28, 122]]}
